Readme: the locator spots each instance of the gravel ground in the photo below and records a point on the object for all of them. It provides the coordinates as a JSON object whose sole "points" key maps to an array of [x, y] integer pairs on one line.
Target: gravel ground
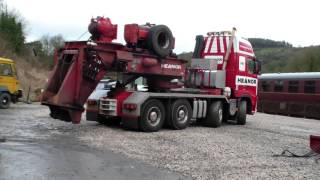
{"points": [[228, 152]]}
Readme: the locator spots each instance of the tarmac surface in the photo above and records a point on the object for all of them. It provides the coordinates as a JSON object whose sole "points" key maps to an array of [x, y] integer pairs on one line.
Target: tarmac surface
{"points": [[34, 146]]}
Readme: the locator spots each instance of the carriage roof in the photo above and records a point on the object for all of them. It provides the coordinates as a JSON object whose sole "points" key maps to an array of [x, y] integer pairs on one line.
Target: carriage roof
{"points": [[291, 76]]}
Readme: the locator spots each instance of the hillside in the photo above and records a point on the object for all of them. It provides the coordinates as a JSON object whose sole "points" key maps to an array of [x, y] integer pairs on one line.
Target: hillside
{"points": [[280, 56], [306, 59]]}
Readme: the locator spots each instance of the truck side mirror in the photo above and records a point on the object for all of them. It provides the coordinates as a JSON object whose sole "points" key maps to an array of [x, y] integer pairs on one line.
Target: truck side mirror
{"points": [[257, 67]]}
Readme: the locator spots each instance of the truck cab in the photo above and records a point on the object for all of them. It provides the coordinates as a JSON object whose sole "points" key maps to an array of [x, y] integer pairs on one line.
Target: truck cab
{"points": [[9, 83], [239, 69]]}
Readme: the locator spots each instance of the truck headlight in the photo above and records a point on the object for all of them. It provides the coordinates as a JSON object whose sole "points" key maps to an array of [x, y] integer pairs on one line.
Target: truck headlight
{"points": [[227, 91]]}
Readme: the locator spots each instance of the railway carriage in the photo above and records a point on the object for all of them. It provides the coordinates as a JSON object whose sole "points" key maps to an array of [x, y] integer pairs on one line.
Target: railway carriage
{"points": [[293, 94]]}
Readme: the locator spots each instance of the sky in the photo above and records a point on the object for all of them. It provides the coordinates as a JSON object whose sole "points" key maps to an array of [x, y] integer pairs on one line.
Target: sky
{"points": [[294, 21]]}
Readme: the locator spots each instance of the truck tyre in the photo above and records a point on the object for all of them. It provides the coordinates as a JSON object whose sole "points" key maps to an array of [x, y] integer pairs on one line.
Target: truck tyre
{"points": [[242, 113], [160, 40], [152, 116], [5, 101], [180, 115], [214, 115], [226, 115]]}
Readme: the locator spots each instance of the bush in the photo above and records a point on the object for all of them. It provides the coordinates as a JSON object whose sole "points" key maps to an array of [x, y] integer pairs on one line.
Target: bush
{"points": [[11, 28]]}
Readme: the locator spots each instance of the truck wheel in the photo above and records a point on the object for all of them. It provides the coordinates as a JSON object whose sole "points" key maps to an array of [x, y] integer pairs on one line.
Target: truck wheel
{"points": [[152, 116], [242, 113], [160, 40], [226, 115], [214, 115], [181, 113], [5, 101]]}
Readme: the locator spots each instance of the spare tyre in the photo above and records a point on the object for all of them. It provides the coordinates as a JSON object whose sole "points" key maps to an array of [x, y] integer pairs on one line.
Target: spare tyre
{"points": [[160, 40]]}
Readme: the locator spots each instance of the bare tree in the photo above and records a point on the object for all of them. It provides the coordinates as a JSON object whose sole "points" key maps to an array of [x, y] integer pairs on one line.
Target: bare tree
{"points": [[1, 5], [56, 42], [49, 44]]}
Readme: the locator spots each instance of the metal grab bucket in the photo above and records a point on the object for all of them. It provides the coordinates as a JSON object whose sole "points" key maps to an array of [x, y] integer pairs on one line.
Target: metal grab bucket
{"points": [[315, 143]]}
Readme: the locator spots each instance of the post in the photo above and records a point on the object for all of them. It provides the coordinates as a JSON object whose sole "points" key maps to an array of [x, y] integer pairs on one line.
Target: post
{"points": [[28, 95]]}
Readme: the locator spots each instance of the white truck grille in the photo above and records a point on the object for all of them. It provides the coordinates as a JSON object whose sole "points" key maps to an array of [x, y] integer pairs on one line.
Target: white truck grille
{"points": [[108, 107]]}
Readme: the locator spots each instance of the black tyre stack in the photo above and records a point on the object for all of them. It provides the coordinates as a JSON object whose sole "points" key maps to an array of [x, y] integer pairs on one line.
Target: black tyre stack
{"points": [[160, 40]]}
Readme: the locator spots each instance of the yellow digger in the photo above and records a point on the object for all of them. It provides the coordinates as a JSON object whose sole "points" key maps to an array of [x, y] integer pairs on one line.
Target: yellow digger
{"points": [[9, 83]]}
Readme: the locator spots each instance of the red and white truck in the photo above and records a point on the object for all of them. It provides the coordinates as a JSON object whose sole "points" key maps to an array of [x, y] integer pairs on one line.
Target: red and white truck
{"points": [[220, 84]]}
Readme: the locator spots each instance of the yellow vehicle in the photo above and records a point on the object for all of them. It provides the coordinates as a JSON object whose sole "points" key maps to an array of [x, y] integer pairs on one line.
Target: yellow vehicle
{"points": [[9, 83]]}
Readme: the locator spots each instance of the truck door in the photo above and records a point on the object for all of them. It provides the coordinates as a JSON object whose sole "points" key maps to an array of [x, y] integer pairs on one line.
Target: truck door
{"points": [[250, 66], [8, 78], [246, 79]]}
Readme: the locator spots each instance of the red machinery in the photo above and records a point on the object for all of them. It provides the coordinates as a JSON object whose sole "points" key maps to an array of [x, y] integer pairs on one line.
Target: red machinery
{"points": [[315, 143], [102, 30], [221, 83], [81, 65]]}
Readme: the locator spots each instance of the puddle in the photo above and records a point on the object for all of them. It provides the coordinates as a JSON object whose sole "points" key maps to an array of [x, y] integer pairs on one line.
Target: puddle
{"points": [[12, 143], [297, 129]]}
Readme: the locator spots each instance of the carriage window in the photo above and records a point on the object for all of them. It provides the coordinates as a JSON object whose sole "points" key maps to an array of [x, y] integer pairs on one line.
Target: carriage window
{"points": [[309, 86], [278, 86], [266, 86], [293, 86]]}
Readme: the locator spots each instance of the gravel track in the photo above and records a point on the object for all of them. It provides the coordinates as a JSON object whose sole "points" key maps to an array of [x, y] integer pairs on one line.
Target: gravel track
{"points": [[228, 152]]}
